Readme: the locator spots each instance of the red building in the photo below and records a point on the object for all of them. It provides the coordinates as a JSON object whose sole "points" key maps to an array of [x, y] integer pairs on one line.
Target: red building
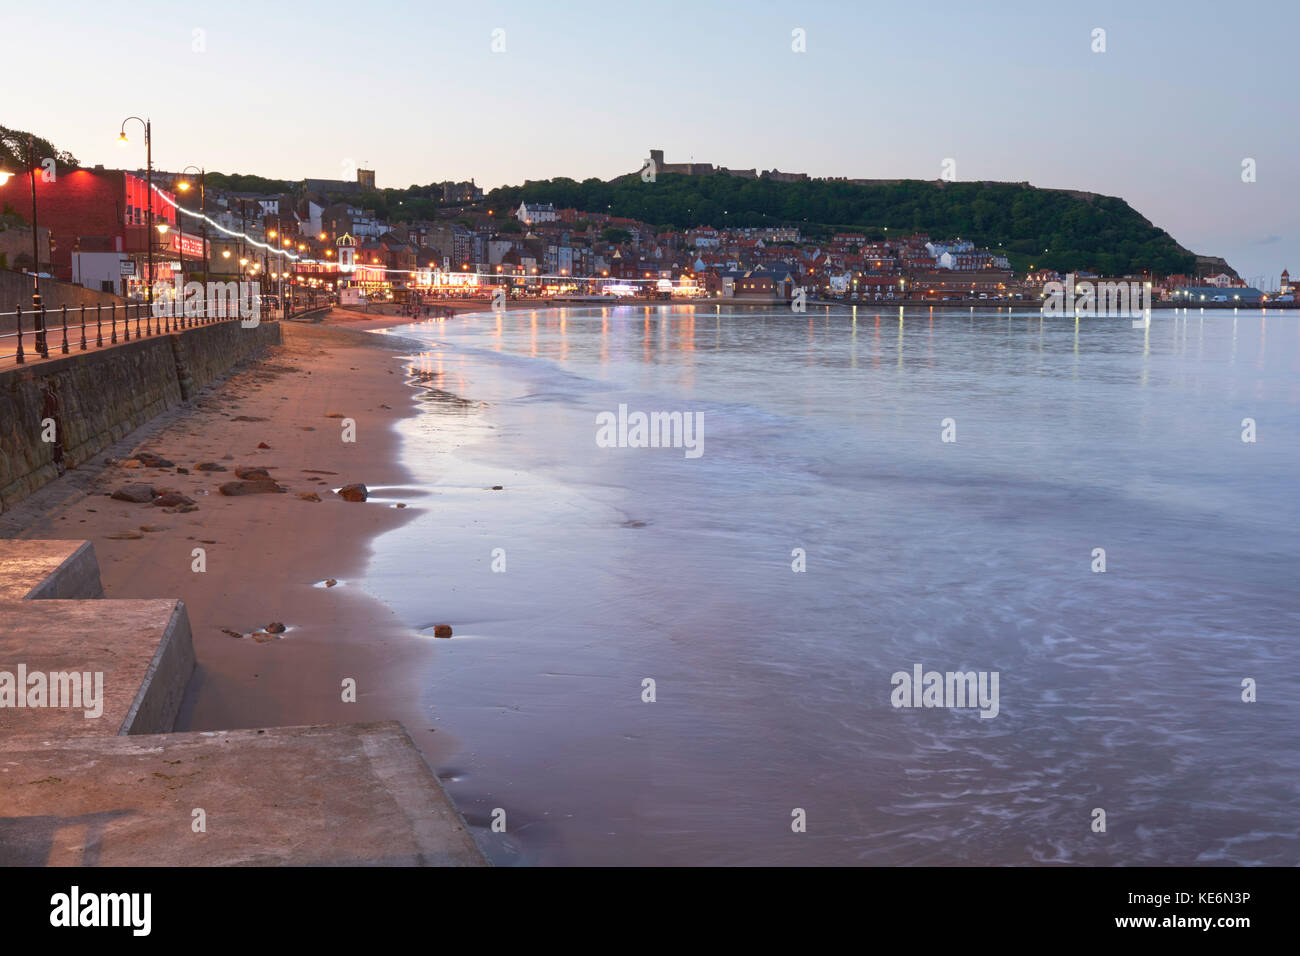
{"points": [[105, 210]]}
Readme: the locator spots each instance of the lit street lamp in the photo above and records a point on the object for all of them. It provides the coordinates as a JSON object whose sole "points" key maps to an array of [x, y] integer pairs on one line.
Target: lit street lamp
{"points": [[184, 186]]}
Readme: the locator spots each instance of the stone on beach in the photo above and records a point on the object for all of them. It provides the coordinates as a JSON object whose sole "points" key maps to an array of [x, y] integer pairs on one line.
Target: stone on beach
{"points": [[442, 630], [250, 473], [137, 492], [209, 466], [232, 489], [150, 460], [172, 500], [354, 492]]}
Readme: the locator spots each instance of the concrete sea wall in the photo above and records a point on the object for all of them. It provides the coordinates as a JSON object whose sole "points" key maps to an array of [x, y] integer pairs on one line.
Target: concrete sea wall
{"points": [[96, 397]]}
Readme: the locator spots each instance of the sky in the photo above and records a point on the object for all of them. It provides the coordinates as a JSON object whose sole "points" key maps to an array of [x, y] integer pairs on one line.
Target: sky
{"points": [[1183, 94]]}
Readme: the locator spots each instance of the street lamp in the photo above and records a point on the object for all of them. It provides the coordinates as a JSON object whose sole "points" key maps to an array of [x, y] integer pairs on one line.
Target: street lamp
{"points": [[148, 154], [183, 186], [41, 346]]}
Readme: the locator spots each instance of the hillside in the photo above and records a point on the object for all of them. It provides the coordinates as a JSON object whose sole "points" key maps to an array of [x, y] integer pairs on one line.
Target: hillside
{"points": [[1056, 229]]}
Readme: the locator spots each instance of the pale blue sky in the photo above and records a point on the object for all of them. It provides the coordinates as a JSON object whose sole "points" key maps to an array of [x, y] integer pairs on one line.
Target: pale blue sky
{"points": [[1010, 90]]}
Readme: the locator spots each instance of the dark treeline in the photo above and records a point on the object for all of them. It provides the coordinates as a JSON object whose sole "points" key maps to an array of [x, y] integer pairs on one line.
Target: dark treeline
{"points": [[1042, 227]]}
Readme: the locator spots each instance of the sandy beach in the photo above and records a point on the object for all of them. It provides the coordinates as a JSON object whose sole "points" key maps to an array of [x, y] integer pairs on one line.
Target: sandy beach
{"points": [[267, 556]]}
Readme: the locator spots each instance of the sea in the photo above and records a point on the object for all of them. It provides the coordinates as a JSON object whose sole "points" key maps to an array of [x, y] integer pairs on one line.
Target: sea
{"points": [[697, 642]]}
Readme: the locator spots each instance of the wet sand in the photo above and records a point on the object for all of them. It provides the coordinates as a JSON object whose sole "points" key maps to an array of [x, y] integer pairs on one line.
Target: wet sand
{"points": [[267, 554]]}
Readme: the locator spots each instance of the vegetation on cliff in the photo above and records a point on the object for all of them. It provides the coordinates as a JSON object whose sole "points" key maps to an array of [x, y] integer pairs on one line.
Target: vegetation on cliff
{"points": [[1042, 227]]}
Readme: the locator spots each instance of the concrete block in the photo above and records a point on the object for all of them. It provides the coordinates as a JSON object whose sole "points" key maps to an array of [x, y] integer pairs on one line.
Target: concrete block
{"points": [[35, 569], [143, 649], [352, 795]]}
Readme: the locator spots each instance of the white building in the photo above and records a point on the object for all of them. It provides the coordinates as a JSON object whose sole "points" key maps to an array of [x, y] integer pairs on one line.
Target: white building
{"points": [[530, 213]]}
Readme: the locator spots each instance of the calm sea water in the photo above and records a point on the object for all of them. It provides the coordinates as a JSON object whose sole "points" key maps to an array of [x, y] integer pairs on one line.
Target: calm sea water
{"points": [[1119, 690]]}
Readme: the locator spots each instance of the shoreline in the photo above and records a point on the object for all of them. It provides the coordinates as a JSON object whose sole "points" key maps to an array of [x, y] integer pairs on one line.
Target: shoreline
{"points": [[266, 556]]}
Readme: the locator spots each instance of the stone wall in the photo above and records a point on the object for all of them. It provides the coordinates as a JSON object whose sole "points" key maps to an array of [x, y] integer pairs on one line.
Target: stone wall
{"points": [[97, 397]]}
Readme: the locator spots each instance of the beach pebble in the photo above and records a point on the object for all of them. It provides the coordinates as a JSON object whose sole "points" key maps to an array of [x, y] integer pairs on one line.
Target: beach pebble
{"points": [[209, 466], [249, 473], [329, 583], [234, 489], [172, 500], [263, 444], [442, 630], [136, 492], [125, 535], [182, 471], [275, 627], [150, 460], [353, 492]]}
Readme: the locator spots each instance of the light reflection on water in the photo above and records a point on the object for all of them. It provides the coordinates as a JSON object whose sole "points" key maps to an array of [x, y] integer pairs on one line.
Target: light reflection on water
{"points": [[822, 432]]}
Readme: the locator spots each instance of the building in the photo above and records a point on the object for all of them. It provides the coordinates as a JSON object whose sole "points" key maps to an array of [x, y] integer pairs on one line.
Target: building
{"points": [[767, 282], [100, 217], [1196, 294], [529, 213], [461, 192]]}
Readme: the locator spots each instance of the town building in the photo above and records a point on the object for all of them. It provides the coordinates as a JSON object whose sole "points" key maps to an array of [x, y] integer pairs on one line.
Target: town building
{"points": [[529, 213]]}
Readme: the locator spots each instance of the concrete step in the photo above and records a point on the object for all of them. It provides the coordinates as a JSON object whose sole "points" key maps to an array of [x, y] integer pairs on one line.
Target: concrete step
{"points": [[141, 650], [48, 569], [351, 795]]}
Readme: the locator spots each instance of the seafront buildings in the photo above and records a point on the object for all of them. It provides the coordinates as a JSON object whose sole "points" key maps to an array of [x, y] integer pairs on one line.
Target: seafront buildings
{"points": [[93, 222]]}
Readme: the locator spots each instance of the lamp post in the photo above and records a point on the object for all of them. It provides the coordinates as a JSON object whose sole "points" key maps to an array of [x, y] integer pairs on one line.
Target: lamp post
{"points": [[183, 186], [148, 161], [42, 347]]}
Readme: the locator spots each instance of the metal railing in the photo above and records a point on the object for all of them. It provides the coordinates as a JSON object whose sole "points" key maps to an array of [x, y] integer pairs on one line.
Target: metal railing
{"points": [[38, 333]]}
